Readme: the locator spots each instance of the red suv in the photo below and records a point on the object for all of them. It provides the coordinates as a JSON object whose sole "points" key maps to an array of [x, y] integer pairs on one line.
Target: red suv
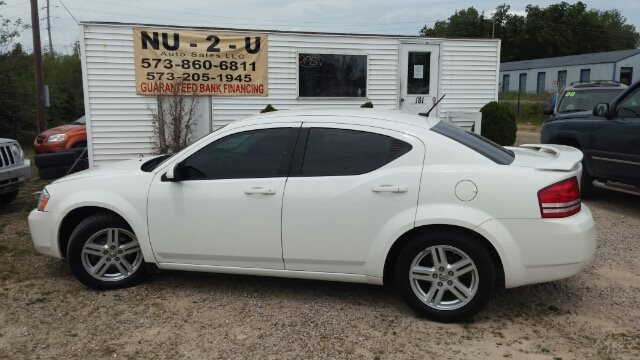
{"points": [[68, 136]]}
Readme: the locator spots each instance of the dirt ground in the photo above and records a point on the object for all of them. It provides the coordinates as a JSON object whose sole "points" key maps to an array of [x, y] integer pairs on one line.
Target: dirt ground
{"points": [[45, 313]]}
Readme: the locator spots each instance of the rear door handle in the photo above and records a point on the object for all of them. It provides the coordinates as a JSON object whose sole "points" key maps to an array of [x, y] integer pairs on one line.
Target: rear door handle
{"points": [[390, 188], [259, 190]]}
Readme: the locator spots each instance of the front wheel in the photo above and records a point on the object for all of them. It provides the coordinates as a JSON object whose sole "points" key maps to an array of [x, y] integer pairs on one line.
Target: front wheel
{"points": [[445, 276], [104, 253]]}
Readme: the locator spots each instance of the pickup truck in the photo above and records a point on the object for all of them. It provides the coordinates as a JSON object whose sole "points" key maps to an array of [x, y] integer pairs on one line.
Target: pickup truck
{"points": [[609, 137], [14, 169]]}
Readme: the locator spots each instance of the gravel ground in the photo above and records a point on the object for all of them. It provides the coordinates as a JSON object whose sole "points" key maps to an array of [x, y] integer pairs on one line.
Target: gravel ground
{"points": [[45, 313]]}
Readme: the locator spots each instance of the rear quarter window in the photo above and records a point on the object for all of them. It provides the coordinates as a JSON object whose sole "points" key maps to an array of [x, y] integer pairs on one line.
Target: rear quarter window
{"points": [[479, 144]]}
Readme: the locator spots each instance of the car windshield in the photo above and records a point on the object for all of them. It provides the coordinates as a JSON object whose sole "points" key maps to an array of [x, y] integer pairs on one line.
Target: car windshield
{"points": [[482, 145], [80, 121], [586, 99]]}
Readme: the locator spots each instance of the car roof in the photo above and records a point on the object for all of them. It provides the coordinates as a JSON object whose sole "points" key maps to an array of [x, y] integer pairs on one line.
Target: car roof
{"points": [[607, 85], [393, 119]]}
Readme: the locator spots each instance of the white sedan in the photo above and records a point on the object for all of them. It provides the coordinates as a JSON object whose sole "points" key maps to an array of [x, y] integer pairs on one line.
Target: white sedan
{"points": [[363, 196]]}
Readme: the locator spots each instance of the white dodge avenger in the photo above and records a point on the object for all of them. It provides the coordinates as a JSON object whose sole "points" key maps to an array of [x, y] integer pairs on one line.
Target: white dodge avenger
{"points": [[367, 196]]}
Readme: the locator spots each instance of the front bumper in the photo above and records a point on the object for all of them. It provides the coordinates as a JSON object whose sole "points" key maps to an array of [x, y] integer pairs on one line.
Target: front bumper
{"points": [[11, 177], [41, 226], [49, 147], [540, 250]]}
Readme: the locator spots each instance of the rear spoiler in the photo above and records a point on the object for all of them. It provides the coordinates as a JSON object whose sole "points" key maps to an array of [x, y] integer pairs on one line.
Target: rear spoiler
{"points": [[564, 157]]}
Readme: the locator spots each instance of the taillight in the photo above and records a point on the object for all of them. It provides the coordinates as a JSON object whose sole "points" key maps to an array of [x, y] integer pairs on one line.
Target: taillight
{"points": [[560, 200]]}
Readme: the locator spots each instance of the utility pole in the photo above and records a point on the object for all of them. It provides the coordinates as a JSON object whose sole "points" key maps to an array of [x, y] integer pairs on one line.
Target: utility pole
{"points": [[49, 29], [37, 56]]}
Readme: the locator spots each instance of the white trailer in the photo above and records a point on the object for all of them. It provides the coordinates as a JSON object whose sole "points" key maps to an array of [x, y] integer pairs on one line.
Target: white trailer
{"points": [[400, 72]]}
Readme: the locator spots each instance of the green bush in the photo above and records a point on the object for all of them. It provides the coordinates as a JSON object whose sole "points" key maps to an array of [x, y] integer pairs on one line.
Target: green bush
{"points": [[498, 123], [368, 105], [267, 109]]}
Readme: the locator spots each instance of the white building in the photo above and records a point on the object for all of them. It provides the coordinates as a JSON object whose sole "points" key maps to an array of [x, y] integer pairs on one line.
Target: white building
{"points": [[546, 75], [391, 68]]}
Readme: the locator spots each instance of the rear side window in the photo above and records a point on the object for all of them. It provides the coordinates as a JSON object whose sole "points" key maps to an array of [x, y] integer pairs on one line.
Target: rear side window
{"points": [[484, 146], [336, 152]]}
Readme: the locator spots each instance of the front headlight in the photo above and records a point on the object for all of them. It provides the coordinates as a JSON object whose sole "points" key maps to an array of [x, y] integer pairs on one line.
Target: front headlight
{"points": [[43, 199], [17, 151], [57, 137]]}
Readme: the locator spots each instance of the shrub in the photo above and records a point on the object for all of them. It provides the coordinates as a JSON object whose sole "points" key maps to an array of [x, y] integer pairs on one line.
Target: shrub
{"points": [[267, 109], [498, 123], [368, 105]]}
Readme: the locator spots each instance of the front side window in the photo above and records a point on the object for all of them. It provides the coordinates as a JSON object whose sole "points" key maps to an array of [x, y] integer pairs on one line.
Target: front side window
{"points": [[339, 152], [630, 105], [250, 154], [332, 75]]}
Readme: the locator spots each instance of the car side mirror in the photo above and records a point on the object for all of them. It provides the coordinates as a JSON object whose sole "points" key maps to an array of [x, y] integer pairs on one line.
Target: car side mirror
{"points": [[174, 172], [602, 109], [548, 111]]}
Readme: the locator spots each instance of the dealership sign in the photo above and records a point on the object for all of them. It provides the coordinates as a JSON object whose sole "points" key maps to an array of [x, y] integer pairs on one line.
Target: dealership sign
{"points": [[199, 63]]}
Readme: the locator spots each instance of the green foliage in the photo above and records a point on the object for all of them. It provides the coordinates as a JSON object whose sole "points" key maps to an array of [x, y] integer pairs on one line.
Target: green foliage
{"points": [[556, 30], [368, 105], [498, 123], [268, 108], [63, 75]]}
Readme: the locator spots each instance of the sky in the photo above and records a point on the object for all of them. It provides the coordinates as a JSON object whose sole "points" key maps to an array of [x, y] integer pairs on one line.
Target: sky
{"points": [[401, 17]]}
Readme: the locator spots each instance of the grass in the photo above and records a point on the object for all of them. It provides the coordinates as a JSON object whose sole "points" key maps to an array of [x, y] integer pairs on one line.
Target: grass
{"points": [[531, 107]]}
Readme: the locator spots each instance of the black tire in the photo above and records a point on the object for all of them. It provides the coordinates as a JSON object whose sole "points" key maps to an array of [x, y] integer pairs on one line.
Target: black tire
{"points": [[8, 197], [55, 159], [52, 173], [484, 276], [82, 234]]}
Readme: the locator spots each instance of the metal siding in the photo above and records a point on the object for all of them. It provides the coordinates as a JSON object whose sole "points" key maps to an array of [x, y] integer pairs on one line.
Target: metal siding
{"points": [[382, 87], [119, 120], [469, 73]]}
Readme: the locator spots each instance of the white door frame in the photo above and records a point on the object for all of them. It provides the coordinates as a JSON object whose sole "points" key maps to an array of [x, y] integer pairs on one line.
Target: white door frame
{"points": [[417, 103]]}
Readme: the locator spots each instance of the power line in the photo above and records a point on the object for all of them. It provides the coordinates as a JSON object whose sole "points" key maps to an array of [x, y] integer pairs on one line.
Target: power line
{"points": [[65, 7]]}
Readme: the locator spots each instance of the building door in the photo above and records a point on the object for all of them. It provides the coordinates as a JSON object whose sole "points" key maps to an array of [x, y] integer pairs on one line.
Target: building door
{"points": [[626, 75], [541, 82], [418, 77]]}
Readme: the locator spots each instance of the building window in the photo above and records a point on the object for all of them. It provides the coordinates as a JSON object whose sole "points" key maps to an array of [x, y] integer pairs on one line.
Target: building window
{"points": [[523, 83], [585, 75], [541, 82], [562, 78], [505, 82], [418, 73], [332, 75], [626, 75]]}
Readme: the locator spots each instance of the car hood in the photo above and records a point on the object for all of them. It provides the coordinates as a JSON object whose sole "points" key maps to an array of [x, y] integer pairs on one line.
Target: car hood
{"points": [[577, 114], [63, 129], [126, 167]]}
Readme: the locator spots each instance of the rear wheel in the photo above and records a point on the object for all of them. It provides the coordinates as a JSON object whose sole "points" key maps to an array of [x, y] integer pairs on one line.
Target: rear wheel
{"points": [[445, 276], [104, 253]]}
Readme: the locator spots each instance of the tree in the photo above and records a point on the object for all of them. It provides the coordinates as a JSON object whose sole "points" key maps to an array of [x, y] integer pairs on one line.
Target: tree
{"points": [[174, 120], [556, 30], [9, 31]]}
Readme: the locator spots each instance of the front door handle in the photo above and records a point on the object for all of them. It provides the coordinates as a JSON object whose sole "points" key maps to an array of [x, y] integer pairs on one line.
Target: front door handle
{"points": [[390, 188], [259, 190]]}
